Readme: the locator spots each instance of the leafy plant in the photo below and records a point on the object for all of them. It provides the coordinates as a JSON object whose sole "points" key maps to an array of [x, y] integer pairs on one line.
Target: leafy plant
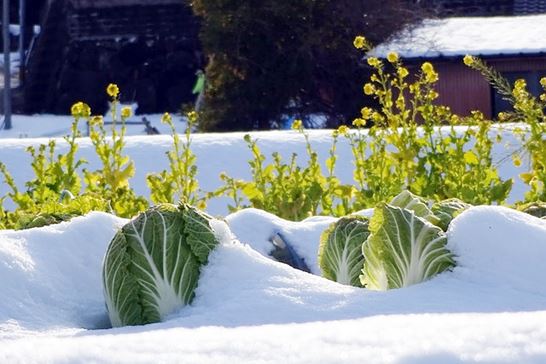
{"points": [[288, 190], [152, 265], [403, 249], [179, 182], [529, 110], [111, 182], [406, 146], [340, 251]]}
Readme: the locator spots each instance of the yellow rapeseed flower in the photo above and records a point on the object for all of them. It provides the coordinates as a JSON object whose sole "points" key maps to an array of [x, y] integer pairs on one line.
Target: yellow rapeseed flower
{"points": [[96, 120], [166, 118], [366, 113], [76, 109], [543, 97], [359, 42], [427, 68], [112, 90], [402, 72], [85, 110], [369, 89], [80, 109], [392, 57], [192, 116], [372, 61], [517, 160], [126, 112], [468, 60], [543, 82], [297, 124], [359, 123], [343, 130]]}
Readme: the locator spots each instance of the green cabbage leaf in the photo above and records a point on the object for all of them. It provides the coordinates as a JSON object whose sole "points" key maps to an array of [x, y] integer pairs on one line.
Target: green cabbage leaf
{"points": [[447, 210], [403, 249], [340, 251]]}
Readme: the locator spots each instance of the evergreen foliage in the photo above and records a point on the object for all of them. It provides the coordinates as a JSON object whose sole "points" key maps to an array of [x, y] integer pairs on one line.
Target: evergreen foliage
{"points": [[270, 58]]}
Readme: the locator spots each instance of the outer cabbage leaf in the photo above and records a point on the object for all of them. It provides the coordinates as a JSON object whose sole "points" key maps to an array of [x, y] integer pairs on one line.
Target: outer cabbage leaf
{"points": [[403, 249], [447, 210], [418, 205], [152, 265], [340, 251]]}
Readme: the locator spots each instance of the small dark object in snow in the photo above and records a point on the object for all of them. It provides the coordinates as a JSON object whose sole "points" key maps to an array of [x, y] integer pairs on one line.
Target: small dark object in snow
{"points": [[283, 252]]}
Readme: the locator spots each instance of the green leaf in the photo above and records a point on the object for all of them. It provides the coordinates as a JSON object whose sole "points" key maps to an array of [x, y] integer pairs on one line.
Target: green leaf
{"points": [[418, 205], [340, 251], [447, 210], [403, 249]]}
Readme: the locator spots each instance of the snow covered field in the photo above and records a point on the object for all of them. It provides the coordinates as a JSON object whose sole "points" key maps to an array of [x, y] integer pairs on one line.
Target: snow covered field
{"points": [[249, 309]]}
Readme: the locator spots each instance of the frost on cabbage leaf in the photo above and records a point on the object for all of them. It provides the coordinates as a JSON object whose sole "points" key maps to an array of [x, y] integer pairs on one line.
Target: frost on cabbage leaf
{"points": [[152, 265], [403, 249], [340, 252]]}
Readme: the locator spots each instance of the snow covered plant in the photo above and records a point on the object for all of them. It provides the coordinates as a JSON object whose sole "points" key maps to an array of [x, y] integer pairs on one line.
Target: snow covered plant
{"points": [[152, 265], [402, 249], [340, 251]]}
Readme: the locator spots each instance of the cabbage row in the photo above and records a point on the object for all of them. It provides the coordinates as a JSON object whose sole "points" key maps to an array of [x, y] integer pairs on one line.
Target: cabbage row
{"points": [[403, 243]]}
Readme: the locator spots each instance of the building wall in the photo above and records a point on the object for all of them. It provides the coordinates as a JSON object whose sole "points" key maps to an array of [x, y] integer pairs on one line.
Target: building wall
{"points": [[465, 90]]}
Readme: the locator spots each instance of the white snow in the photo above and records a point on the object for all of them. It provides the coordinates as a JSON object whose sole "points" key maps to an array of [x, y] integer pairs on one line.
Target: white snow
{"points": [[480, 36], [248, 308]]}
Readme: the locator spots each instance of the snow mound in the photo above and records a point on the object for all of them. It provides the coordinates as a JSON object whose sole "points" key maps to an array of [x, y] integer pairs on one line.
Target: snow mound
{"points": [[51, 276], [501, 247], [257, 227]]}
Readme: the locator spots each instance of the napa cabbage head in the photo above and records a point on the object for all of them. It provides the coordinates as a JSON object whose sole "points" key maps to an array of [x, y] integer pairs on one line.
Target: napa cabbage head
{"points": [[403, 249], [152, 265], [340, 251]]}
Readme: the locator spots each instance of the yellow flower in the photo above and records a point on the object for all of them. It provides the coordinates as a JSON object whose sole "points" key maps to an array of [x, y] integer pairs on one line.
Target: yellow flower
{"points": [[359, 42], [377, 117], [468, 60], [392, 57], [76, 109], [402, 72], [112, 90], [543, 82], [517, 160], [343, 130], [80, 109], [86, 110], [520, 84], [372, 61], [427, 67], [96, 120], [366, 113], [192, 117], [369, 89], [359, 123], [543, 97], [297, 125], [166, 118], [126, 112]]}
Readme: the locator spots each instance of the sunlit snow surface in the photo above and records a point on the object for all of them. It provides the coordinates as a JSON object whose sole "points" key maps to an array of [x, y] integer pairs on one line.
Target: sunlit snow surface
{"points": [[249, 309]]}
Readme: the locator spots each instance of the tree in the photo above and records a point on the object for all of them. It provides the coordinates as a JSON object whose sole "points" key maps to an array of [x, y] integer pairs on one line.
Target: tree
{"points": [[267, 58]]}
